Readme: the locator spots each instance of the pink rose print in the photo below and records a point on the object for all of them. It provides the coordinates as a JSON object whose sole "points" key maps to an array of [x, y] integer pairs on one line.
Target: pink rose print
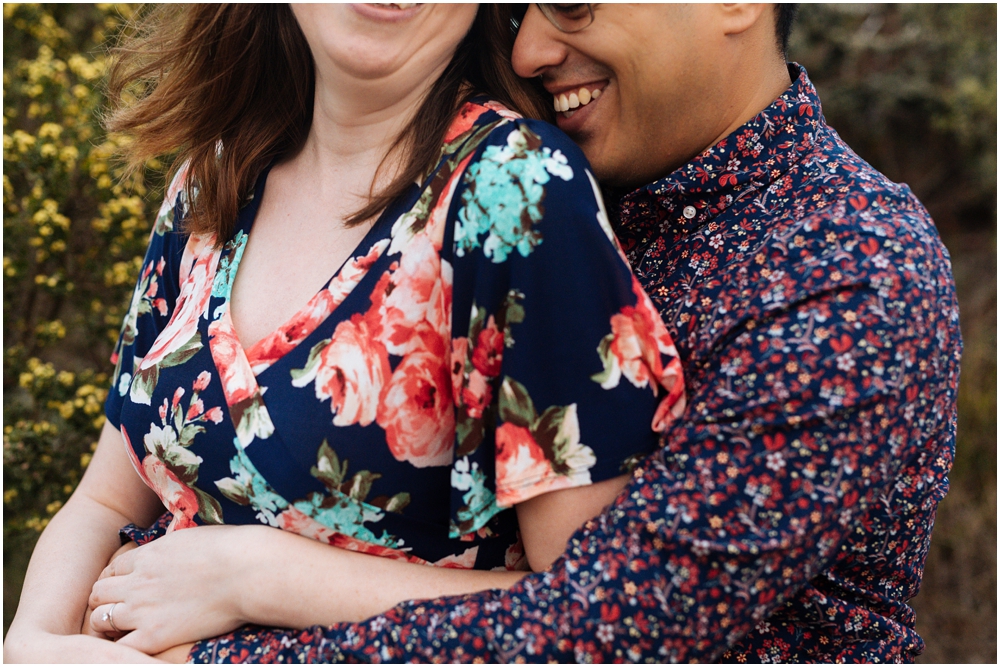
{"points": [[488, 355], [238, 381], [463, 561], [285, 338], [416, 409], [191, 304], [298, 522], [515, 558], [418, 291], [201, 382], [464, 121], [289, 335], [179, 499], [521, 462], [243, 395], [350, 369], [635, 349], [459, 350], [476, 396]]}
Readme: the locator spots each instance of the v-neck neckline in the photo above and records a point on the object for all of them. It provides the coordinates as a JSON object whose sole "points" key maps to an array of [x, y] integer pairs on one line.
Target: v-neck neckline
{"points": [[293, 331]]}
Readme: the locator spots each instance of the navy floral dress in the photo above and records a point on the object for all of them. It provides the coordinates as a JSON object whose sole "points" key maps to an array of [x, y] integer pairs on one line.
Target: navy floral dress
{"points": [[485, 343]]}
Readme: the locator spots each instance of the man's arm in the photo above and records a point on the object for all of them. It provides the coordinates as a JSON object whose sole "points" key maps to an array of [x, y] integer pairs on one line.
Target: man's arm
{"points": [[793, 428]]}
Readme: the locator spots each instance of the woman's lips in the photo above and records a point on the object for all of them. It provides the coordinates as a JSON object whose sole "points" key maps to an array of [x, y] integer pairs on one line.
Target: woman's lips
{"points": [[387, 11]]}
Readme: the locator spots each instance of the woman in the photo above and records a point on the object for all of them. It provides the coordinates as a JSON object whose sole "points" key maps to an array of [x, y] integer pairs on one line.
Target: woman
{"points": [[468, 388]]}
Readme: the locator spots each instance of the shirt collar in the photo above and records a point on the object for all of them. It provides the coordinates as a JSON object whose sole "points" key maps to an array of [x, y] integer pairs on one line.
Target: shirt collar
{"points": [[749, 159]]}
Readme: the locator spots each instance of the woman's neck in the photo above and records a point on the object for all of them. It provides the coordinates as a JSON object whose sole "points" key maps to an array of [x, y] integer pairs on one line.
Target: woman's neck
{"points": [[355, 124]]}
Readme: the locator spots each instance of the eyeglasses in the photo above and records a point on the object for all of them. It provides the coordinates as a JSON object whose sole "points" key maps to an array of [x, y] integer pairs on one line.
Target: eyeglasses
{"points": [[566, 17]]}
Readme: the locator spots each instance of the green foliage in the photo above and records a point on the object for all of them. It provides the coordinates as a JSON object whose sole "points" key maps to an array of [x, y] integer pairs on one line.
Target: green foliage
{"points": [[73, 239], [913, 89]]}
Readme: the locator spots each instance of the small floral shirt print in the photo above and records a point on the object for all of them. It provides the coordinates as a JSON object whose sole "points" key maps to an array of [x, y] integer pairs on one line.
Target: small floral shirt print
{"points": [[789, 516], [486, 343]]}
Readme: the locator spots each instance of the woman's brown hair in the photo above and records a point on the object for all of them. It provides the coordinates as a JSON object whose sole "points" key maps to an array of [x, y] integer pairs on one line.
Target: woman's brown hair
{"points": [[229, 88]]}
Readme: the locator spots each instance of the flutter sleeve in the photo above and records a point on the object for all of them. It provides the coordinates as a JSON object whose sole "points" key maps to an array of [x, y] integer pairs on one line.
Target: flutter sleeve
{"points": [[154, 297], [563, 373]]}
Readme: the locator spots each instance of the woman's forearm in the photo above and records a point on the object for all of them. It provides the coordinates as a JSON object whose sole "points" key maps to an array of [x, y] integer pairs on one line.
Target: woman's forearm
{"points": [[66, 561], [299, 582], [75, 547]]}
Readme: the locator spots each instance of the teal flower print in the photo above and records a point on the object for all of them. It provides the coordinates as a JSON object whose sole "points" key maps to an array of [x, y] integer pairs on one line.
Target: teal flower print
{"points": [[226, 273], [342, 509], [505, 194], [480, 503]]}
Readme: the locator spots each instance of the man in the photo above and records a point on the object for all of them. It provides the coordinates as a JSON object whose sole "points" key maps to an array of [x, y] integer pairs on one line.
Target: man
{"points": [[788, 517]]}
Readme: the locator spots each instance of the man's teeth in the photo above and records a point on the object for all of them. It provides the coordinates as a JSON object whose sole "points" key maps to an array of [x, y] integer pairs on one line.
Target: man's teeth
{"points": [[577, 98]]}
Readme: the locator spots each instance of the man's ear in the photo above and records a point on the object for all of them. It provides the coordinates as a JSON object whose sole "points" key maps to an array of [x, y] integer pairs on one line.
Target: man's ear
{"points": [[738, 17]]}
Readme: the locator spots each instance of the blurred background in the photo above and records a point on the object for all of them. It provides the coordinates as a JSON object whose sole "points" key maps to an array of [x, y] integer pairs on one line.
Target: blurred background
{"points": [[912, 88]]}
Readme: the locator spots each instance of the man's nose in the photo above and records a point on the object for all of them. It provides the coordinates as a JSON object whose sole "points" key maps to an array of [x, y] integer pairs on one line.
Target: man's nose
{"points": [[538, 45]]}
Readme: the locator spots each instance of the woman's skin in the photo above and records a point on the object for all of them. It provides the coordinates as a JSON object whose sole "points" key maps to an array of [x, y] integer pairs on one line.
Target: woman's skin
{"points": [[70, 555], [373, 67]]}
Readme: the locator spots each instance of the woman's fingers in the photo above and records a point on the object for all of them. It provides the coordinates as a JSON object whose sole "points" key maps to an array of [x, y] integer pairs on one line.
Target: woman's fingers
{"points": [[123, 563], [111, 619], [107, 591], [112, 569]]}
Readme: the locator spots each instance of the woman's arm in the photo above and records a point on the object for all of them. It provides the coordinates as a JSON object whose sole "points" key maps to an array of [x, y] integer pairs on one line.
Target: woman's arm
{"points": [[69, 557], [195, 584], [549, 520]]}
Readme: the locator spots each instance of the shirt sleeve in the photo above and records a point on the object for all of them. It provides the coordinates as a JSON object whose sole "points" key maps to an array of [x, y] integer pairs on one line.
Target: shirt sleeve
{"points": [[154, 297], [563, 374], [764, 483]]}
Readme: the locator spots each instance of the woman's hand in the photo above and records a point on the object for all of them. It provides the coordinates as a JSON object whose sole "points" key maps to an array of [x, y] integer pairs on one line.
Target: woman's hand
{"points": [[181, 588]]}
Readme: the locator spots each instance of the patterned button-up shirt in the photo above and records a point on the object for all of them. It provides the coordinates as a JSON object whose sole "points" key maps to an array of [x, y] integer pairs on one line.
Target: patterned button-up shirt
{"points": [[789, 513]]}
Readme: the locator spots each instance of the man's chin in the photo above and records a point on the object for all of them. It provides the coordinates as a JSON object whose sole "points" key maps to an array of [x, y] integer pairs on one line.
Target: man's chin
{"points": [[608, 172]]}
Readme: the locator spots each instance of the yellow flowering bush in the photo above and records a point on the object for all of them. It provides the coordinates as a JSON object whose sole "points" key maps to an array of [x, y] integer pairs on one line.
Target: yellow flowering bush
{"points": [[73, 238]]}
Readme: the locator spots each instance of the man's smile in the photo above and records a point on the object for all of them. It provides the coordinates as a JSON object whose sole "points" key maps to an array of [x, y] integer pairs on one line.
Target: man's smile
{"points": [[574, 103], [566, 99]]}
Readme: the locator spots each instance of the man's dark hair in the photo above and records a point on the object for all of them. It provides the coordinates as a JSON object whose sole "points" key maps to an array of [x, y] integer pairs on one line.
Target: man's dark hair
{"points": [[784, 17]]}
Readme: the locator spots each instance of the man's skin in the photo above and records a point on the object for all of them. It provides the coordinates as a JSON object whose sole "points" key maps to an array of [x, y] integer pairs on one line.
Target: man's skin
{"points": [[679, 78]]}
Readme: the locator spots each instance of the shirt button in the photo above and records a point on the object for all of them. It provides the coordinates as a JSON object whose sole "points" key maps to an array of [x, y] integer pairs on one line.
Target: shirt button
{"points": [[690, 212]]}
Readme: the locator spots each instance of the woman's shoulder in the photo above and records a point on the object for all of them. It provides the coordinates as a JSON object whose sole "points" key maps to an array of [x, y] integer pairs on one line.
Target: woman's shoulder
{"points": [[522, 134], [527, 182], [525, 149], [172, 247]]}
